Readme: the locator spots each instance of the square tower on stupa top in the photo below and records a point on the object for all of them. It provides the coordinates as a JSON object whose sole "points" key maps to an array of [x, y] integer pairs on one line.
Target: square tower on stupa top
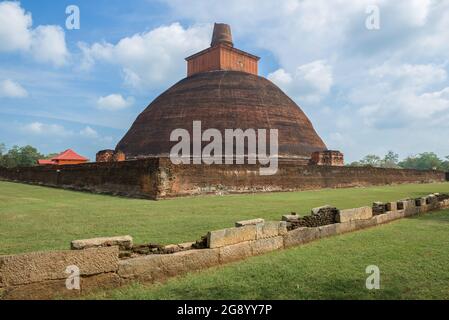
{"points": [[222, 55]]}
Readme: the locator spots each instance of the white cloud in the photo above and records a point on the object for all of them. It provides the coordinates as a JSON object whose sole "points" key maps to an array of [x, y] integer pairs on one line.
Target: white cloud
{"points": [[88, 132], [11, 89], [151, 58], [390, 83], [417, 75], [39, 128], [310, 81], [114, 102], [15, 25], [402, 95], [44, 43], [48, 45]]}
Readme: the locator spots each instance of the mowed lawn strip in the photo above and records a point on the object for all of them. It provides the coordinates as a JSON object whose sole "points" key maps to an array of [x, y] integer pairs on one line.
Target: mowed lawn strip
{"points": [[34, 218], [412, 255]]}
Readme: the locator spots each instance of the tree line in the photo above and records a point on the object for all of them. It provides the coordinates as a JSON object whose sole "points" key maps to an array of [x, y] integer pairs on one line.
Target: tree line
{"points": [[26, 156], [422, 161]]}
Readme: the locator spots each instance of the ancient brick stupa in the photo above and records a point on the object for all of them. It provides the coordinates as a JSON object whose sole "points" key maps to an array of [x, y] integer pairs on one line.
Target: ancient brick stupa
{"points": [[223, 91]]}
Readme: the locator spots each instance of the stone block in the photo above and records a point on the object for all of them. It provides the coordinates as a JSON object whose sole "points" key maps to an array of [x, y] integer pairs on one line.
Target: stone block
{"points": [[186, 245], [46, 290], [345, 227], [411, 209], [431, 198], [290, 217], [317, 210], [382, 218], [423, 208], [300, 236], [124, 243], [271, 229], [157, 267], [249, 222], [41, 266], [421, 202], [262, 246], [406, 204], [395, 215], [100, 281], [225, 237], [392, 206], [355, 214], [366, 223], [328, 231], [236, 252]]}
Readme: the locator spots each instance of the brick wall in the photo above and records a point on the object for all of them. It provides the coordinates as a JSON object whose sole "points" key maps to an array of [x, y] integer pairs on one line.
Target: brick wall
{"points": [[199, 179], [159, 178], [128, 178]]}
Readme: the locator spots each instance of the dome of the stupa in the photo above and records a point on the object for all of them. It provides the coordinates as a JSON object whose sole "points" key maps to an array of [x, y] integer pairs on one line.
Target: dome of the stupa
{"points": [[223, 91]]}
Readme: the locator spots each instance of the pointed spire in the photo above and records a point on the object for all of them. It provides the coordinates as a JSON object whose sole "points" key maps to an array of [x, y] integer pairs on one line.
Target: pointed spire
{"points": [[222, 35]]}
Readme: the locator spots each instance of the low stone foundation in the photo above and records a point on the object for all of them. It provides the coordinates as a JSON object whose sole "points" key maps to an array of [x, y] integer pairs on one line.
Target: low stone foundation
{"points": [[103, 263]]}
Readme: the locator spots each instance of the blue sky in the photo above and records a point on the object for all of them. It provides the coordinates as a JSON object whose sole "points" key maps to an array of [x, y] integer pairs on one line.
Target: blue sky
{"points": [[366, 91]]}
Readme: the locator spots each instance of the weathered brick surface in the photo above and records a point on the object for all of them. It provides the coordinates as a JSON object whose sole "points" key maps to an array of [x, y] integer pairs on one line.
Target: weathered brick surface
{"points": [[225, 237], [137, 179], [379, 208], [157, 267], [319, 217], [40, 266], [191, 179], [124, 243], [355, 214], [158, 178]]}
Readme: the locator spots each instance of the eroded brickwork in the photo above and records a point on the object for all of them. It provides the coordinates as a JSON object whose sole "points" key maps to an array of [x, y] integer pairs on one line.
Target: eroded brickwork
{"points": [[158, 178]]}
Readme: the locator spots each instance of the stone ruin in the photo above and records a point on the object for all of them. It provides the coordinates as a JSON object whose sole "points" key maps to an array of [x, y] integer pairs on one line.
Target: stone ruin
{"points": [[115, 261], [319, 217], [110, 156], [327, 158]]}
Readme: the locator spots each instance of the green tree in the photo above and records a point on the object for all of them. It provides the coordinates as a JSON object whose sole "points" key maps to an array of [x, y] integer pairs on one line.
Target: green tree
{"points": [[390, 160], [50, 155], [446, 164], [2, 151], [371, 160], [423, 161], [21, 157]]}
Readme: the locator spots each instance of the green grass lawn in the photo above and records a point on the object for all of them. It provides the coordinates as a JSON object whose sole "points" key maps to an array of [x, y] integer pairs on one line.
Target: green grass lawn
{"points": [[36, 218], [412, 255]]}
